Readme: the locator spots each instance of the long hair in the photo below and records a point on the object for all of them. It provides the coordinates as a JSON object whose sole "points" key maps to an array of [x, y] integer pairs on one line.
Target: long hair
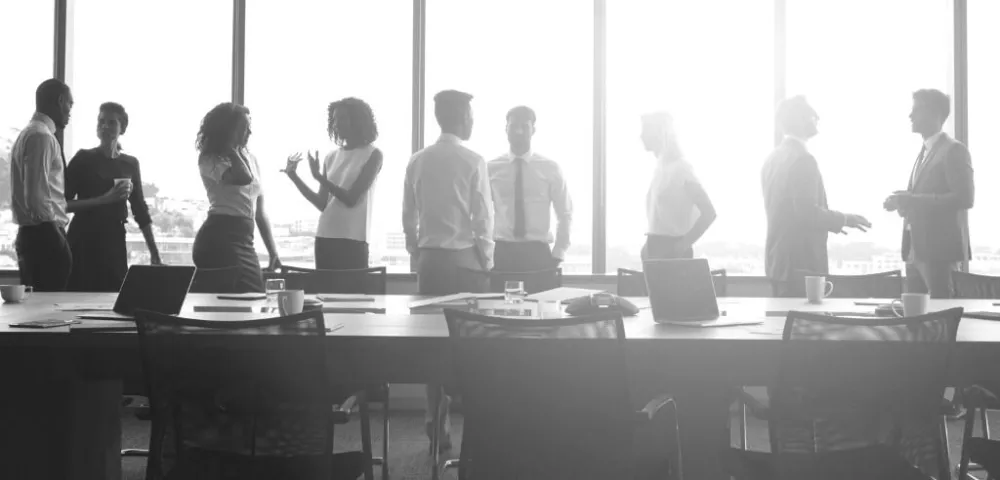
{"points": [[218, 125], [361, 129]]}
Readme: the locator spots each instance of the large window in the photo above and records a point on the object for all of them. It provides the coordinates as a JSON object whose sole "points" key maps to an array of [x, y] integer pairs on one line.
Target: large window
{"points": [[984, 101], [168, 64], [300, 56], [26, 59], [713, 72], [522, 52], [858, 62]]}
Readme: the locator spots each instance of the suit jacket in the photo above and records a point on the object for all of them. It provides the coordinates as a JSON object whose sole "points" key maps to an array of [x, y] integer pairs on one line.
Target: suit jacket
{"points": [[938, 214], [798, 218]]}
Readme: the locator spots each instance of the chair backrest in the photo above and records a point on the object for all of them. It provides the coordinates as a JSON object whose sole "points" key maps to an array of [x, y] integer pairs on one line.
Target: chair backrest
{"points": [[215, 280], [479, 281], [873, 285], [235, 384], [369, 281], [632, 283], [563, 408], [971, 285], [842, 389]]}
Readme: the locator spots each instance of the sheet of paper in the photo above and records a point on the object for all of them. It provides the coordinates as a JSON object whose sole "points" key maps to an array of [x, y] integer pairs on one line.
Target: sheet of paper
{"points": [[344, 297], [84, 307], [562, 294], [459, 298], [715, 323]]}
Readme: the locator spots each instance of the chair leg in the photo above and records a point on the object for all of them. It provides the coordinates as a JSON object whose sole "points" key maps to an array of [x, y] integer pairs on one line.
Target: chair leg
{"points": [[744, 441], [436, 438], [963, 462], [985, 418], [366, 436], [385, 435], [944, 458]]}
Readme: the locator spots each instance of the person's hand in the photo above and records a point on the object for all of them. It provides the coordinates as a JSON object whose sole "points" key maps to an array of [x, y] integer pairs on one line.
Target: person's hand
{"points": [[857, 222], [891, 203], [273, 265], [292, 163], [314, 164], [119, 192], [902, 198]]}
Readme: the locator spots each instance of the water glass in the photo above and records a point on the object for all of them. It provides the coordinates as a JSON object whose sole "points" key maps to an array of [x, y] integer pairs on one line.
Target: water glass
{"points": [[272, 286], [513, 291]]}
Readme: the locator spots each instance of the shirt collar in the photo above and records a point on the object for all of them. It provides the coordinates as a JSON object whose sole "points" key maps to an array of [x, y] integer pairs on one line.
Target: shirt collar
{"points": [[45, 120], [449, 138], [931, 140], [527, 156]]}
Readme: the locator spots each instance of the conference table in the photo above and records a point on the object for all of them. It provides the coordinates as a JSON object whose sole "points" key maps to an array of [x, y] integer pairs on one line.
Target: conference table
{"points": [[60, 409]]}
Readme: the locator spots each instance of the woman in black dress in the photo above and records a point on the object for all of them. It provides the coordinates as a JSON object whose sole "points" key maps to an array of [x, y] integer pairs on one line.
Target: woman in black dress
{"points": [[232, 182], [96, 191]]}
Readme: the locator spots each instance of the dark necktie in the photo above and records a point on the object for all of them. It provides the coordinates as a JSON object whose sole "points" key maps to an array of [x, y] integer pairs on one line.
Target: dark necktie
{"points": [[519, 227], [918, 165]]}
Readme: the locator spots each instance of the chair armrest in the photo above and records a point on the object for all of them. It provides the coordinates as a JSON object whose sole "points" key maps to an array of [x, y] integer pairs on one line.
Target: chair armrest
{"points": [[977, 396], [757, 408]]}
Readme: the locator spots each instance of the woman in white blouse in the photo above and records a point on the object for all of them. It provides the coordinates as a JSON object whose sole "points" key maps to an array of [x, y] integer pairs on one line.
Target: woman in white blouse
{"points": [[232, 181], [678, 210], [346, 179]]}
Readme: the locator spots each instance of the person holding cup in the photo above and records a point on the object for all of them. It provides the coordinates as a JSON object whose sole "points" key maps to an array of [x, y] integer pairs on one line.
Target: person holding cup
{"points": [[99, 181]]}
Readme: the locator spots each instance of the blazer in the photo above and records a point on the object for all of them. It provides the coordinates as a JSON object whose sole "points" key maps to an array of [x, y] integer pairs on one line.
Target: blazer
{"points": [[798, 218], [938, 214]]}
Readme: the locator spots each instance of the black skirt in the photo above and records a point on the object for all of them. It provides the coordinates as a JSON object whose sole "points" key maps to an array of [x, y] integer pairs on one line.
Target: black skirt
{"points": [[100, 259], [227, 241]]}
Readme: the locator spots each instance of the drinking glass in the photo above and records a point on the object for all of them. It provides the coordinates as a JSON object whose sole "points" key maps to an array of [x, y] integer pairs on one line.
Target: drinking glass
{"points": [[513, 291], [272, 286]]}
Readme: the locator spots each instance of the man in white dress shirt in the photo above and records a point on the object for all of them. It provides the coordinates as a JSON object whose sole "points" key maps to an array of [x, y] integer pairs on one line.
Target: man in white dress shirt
{"points": [[38, 201], [526, 187], [447, 214]]}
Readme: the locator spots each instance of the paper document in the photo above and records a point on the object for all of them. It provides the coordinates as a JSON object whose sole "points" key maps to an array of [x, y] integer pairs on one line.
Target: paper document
{"points": [[458, 298], [562, 294], [713, 323], [84, 307], [344, 297]]}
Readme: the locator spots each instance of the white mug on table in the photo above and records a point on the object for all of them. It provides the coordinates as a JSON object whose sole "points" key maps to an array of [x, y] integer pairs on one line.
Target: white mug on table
{"points": [[912, 304], [15, 293], [290, 302], [817, 288]]}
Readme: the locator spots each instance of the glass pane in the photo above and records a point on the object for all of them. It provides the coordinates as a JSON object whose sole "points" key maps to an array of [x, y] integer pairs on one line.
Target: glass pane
{"points": [[301, 55], [168, 64], [537, 53], [984, 97], [859, 71], [26, 57], [714, 74]]}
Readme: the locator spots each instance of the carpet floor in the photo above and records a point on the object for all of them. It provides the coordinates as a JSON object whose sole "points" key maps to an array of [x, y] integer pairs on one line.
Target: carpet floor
{"points": [[408, 447]]}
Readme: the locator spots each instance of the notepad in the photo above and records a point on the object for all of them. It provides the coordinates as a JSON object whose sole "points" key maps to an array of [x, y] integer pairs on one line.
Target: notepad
{"points": [[983, 315], [455, 299], [84, 307], [344, 297], [713, 323]]}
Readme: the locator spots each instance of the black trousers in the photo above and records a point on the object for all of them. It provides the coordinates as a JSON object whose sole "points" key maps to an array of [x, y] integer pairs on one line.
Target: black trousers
{"points": [[662, 247], [340, 254], [44, 258], [522, 256]]}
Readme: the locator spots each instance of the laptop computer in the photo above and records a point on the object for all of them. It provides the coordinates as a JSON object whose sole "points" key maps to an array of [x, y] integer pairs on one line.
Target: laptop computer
{"points": [[160, 289], [681, 292]]}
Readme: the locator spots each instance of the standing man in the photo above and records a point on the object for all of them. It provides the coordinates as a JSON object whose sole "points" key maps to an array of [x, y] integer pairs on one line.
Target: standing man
{"points": [[525, 187], [935, 206], [447, 216], [798, 217], [38, 201]]}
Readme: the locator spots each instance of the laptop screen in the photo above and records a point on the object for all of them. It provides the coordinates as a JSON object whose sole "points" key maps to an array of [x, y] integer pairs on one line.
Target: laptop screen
{"points": [[160, 289], [681, 290]]}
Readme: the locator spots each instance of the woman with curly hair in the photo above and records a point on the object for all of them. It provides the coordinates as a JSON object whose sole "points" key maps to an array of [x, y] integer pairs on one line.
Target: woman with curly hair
{"points": [[96, 191], [345, 185], [232, 181]]}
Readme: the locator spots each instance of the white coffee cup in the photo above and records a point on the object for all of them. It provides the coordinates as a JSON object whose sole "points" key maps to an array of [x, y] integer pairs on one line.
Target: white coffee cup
{"points": [[817, 288], [290, 302], [126, 181], [14, 293], [912, 304]]}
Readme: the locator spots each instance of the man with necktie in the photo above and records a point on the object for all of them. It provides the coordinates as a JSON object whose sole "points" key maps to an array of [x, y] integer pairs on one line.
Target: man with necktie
{"points": [[935, 206], [526, 186]]}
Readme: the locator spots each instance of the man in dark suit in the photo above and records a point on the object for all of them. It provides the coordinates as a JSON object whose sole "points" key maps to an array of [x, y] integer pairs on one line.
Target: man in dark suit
{"points": [[798, 218], [935, 206]]}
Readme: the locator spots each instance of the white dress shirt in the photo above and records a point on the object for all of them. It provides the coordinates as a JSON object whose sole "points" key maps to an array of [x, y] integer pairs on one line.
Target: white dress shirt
{"points": [[37, 175], [447, 201], [225, 198], [338, 220], [670, 210], [544, 188]]}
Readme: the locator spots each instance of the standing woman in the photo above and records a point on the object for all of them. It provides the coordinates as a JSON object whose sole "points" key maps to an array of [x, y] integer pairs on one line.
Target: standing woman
{"points": [[232, 181], [677, 208], [345, 185], [96, 193]]}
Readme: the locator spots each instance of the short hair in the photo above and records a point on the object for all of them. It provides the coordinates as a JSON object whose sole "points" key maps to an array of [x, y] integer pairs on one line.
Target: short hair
{"points": [[363, 129], [521, 112], [117, 109], [792, 112], [48, 92], [218, 125], [938, 101], [450, 107], [661, 118]]}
